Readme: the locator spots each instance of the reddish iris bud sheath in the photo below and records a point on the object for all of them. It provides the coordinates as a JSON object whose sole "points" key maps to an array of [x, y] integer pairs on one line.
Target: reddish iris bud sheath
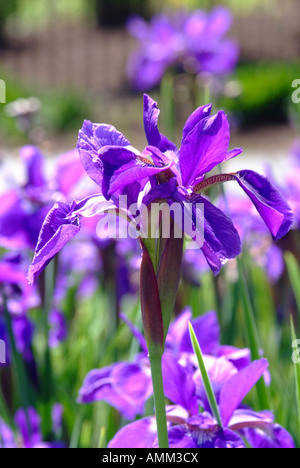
{"points": [[150, 304], [168, 276]]}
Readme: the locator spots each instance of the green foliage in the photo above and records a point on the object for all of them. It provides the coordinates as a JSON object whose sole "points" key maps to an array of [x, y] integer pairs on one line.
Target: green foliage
{"points": [[265, 92], [7, 8], [239, 6], [61, 110]]}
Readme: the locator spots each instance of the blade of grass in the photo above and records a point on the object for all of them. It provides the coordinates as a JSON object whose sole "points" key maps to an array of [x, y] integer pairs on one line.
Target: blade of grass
{"points": [[19, 370], [205, 377], [17, 362], [102, 442], [4, 411], [167, 100], [294, 275], [75, 437], [252, 336], [297, 371]]}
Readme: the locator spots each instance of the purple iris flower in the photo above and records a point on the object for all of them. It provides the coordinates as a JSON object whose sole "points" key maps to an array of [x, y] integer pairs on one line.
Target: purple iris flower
{"points": [[23, 330], [7, 439], [187, 428], [208, 49], [19, 295], [31, 435], [19, 298], [166, 173], [127, 386], [24, 208], [58, 328], [29, 431], [162, 45], [29, 425], [196, 42], [79, 264], [255, 236]]}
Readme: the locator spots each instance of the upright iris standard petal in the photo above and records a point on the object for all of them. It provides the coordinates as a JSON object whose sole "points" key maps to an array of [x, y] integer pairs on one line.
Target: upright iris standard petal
{"points": [[207, 331], [35, 165], [205, 146], [220, 21], [56, 231], [268, 201], [151, 114], [236, 388], [198, 115], [154, 137]]}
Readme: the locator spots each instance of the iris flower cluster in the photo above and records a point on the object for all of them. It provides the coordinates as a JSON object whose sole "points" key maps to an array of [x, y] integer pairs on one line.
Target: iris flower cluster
{"points": [[195, 42], [29, 434], [127, 387]]}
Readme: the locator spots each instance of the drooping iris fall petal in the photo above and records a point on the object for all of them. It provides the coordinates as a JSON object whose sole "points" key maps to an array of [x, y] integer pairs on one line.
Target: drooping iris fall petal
{"points": [[268, 201]]}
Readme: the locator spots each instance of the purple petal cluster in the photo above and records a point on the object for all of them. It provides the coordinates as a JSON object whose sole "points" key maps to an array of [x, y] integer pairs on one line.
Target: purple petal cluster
{"points": [[163, 172], [29, 433], [127, 387], [195, 42]]}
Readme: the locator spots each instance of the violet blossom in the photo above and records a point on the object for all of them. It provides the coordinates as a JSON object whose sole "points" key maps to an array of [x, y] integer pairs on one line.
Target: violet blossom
{"points": [[166, 173], [29, 434], [187, 428], [196, 42], [127, 386]]}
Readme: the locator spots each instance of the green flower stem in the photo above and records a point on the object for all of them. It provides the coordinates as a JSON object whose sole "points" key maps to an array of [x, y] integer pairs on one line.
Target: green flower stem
{"points": [[159, 399]]}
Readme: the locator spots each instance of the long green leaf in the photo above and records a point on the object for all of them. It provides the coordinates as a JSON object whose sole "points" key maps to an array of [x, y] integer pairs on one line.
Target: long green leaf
{"points": [[294, 275], [205, 377], [75, 437], [17, 363]]}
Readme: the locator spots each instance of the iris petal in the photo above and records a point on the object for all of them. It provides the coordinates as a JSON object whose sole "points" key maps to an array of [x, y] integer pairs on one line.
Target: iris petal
{"points": [[268, 201]]}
